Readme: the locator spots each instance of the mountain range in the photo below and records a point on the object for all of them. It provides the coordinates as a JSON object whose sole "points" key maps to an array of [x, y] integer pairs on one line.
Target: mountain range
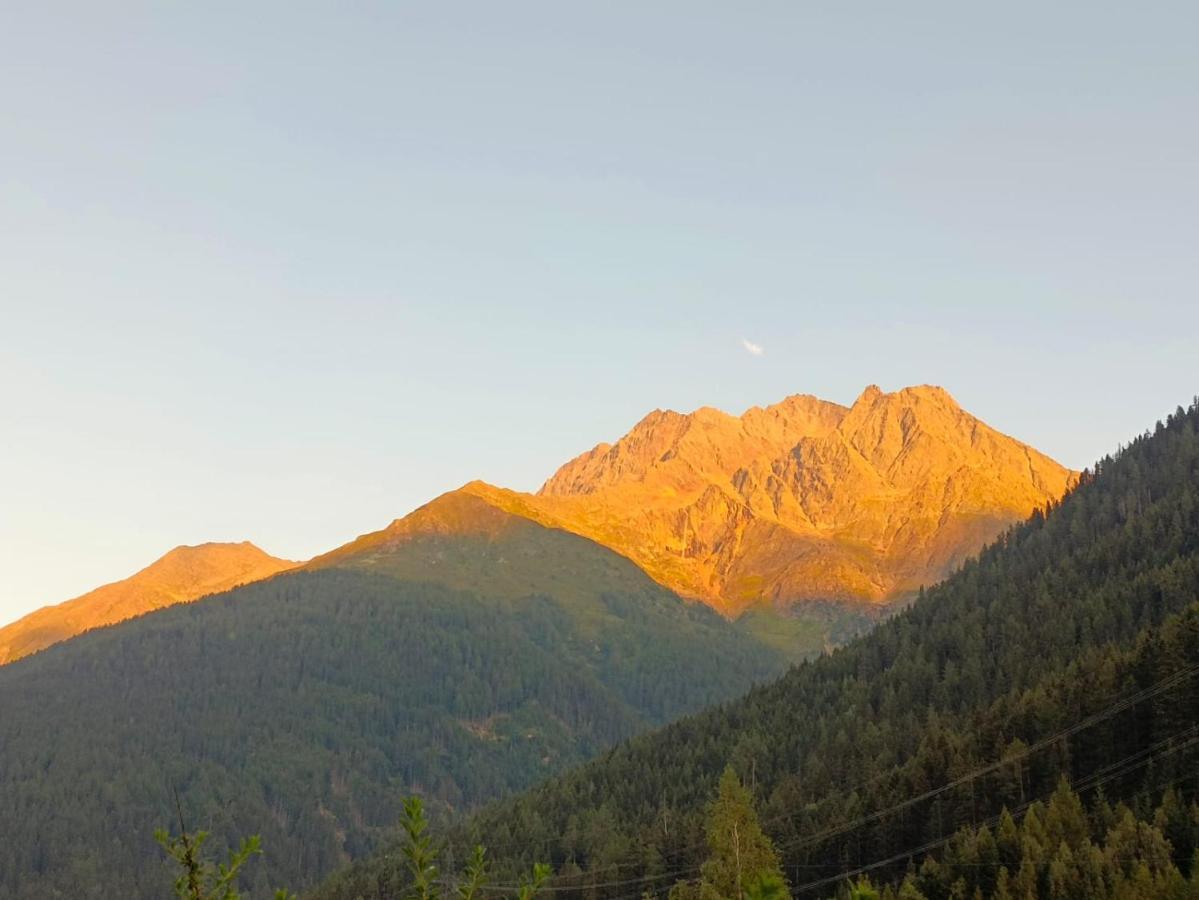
{"points": [[805, 500], [786, 512]]}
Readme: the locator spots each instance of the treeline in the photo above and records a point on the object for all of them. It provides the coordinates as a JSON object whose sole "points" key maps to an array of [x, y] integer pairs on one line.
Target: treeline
{"points": [[1119, 725], [1066, 650], [1055, 850]]}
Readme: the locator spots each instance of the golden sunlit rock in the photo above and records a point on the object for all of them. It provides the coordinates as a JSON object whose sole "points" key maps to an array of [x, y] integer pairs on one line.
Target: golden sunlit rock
{"points": [[803, 500], [182, 575]]}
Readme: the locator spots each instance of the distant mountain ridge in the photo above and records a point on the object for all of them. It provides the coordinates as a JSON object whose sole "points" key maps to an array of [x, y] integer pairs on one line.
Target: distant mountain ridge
{"points": [[180, 576], [481, 539]]}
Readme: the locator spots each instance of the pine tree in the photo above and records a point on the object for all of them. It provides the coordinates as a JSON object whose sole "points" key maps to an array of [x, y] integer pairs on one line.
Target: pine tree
{"points": [[742, 863], [418, 850], [863, 890], [909, 891], [200, 879], [420, 855]]}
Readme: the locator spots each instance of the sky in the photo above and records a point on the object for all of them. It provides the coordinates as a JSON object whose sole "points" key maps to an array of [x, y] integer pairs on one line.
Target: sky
{"points": [[285, 271]]}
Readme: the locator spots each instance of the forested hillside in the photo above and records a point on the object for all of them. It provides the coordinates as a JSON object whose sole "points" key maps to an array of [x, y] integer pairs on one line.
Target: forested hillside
{"points": [[305, 707], [1064, 848], [1068, 649]]}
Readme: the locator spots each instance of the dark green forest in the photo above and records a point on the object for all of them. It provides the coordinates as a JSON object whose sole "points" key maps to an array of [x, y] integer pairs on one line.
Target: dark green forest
{"points": [[1067, 650], [1061, 848], [304, 708]]}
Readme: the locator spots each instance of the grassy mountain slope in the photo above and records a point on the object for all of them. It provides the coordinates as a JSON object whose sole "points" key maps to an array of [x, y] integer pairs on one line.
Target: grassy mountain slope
{"points": [[468, 538], [472, 540], [304, 707], [182, 575], [1059, 619]]}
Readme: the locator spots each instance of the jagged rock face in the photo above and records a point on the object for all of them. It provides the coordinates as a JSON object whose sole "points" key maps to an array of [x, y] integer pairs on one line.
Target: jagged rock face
{"points": [[804, 500], [182, 575]]}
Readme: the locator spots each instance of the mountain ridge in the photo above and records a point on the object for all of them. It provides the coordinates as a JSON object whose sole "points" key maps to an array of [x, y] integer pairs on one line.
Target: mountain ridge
{"points": [[802, 500], [181, 575]]}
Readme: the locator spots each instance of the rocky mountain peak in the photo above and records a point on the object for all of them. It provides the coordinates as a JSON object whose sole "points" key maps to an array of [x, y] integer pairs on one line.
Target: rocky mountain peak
{"points": [[183, 574], [804, 499]]}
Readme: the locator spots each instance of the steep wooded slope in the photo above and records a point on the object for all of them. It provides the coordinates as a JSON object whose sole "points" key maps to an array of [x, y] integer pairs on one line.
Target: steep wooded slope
{"points": [[304, 707]]}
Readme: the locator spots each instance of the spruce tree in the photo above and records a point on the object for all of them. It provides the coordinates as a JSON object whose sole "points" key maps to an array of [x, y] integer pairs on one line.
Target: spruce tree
{"points": [[742, 862]]}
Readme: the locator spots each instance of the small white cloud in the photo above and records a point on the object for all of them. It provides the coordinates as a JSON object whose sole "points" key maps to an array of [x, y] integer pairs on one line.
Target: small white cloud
{"points": [[752, 348]]}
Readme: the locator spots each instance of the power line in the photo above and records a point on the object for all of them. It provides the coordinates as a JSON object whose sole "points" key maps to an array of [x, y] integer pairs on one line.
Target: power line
{"points": [[1042, 744], [1099, 716], [1106, 713], [930, 845], [1088, 721], [1096, 717]]}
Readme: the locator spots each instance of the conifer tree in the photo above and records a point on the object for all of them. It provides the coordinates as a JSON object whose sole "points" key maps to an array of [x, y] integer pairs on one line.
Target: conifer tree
{"points": [[420, 855], [200, 879], [742, 863], [418, 849], [863, 890]]}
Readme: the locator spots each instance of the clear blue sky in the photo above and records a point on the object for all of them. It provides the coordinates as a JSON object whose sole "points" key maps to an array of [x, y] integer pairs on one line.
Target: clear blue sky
{"points": [[282, 272]]}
